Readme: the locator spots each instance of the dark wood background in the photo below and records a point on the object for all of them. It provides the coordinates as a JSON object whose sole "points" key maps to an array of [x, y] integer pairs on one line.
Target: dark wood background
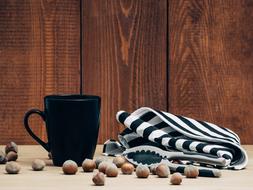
{"points": [[188, 57]]}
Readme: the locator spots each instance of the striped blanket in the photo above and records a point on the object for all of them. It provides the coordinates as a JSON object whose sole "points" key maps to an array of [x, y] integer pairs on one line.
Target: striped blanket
{"points": [[178, 137]]}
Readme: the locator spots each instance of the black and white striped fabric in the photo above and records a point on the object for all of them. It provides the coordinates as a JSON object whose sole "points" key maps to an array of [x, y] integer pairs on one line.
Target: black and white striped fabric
{"points": [[147, 126]]}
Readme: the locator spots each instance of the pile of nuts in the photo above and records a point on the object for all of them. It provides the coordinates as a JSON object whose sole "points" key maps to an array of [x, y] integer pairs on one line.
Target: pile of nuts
{"points": [[162, 171], [104, 167], [111, 169], [10, 156], [10, 153]]}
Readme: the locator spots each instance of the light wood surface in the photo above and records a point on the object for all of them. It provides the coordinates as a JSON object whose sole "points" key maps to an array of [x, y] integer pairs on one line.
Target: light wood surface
{"points": [[53, 178]]}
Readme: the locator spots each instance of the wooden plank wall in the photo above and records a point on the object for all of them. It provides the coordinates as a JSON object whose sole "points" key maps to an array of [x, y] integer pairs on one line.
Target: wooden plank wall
{"points": [[39, 55], [124, 57], [211, 62], [189, 57]]}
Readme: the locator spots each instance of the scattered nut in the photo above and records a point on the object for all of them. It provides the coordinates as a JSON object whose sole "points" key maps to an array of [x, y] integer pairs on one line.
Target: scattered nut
{"points": [[191, 171], [99, 160], [142, 171], [11, 156], [12, 167], [177, 162], [88, 165], [69, 167], [162, 170], [102, 166], [217, 173], [127, 168], [111, 170], [11, 146], [119, 161], [99, 179], [153, 169], [38, 165], [3, 159], [176, 179]]}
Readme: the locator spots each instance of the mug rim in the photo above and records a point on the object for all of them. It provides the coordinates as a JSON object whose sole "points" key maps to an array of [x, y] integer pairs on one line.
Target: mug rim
{"points": [[72, 97]]}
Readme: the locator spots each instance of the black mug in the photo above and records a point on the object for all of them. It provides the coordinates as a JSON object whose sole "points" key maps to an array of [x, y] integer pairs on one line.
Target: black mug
{"points": [[72, 125]]}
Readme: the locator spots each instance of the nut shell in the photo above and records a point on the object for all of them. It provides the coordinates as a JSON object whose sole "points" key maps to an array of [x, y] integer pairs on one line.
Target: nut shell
{"points": [[153, 169], [162, 170], [99, 179], [191, 171], [38, 165], [69, 167], [99, 160], [142, 171], [176, 178], [127, 168], [11, 156], [102, 166], [12, 167], [88, 165], [119, 161], [11, 146], [111, 170], [177, 162]]}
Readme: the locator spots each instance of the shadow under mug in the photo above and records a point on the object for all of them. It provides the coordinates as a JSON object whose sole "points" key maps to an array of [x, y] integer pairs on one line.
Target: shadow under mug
{"points": [[72, 125]]}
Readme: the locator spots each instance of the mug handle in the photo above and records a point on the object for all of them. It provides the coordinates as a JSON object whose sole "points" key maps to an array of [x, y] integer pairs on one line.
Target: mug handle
{"points": [[26, 123]]}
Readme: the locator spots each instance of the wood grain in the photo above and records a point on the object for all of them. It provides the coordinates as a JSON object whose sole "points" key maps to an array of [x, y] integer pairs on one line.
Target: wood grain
{"points": [[210, 73], [124, 52], [39, 55], [211, 70]]}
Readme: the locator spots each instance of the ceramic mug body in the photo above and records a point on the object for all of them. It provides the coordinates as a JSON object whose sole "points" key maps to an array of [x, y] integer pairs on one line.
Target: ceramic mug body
{"points": [[72, 124]]}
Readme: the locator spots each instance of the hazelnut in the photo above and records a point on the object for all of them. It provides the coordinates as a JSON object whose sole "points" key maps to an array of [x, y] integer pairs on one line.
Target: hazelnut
{"points": [[176, 179], [3, 158], [127, 168], [38, 165], [12, 167], [99, 179], [102, 166], [111, 170], [152, 169], [88, 165], [119, 161], [12, 156], [99, 160], [11, 146], [191, 171], [142, 171], [217, 173], [69, 167], [177, 162], [162, 170]]}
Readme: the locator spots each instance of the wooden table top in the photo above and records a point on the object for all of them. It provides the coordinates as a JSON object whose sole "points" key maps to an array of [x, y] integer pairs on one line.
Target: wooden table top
{"points": [[53, 178]]}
